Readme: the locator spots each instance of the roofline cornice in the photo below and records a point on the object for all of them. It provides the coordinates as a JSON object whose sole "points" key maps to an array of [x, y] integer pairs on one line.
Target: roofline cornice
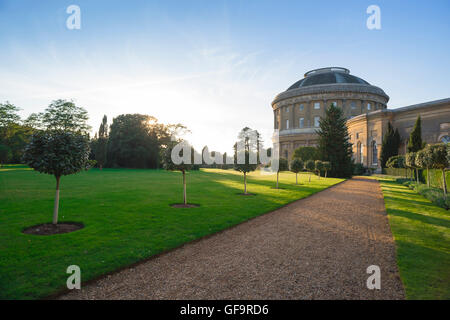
{"points": [[330, 88]]}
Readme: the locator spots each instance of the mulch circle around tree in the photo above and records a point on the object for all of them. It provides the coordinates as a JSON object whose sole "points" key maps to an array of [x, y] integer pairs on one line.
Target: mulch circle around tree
{"points": [[182, 205], [247, 194], [47, 229]]}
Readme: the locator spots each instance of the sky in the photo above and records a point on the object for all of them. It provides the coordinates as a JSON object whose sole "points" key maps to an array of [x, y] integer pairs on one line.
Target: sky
{"points": [[214, 66]]}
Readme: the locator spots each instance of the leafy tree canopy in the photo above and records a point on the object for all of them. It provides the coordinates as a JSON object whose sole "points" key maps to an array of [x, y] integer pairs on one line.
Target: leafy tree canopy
{"points": [[66, 116], [297, 165], [306, 153], [57, 152]]}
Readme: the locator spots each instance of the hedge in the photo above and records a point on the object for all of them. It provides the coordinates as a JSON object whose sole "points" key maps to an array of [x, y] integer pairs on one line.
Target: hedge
{"points": [[436, 178]]}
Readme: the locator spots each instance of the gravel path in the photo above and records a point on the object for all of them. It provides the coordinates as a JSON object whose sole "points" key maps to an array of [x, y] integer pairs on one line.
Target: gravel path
{"points": [[315, 248]]}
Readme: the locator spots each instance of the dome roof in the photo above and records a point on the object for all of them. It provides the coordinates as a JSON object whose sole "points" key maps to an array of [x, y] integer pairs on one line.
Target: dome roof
{"points": [[329, 75]]}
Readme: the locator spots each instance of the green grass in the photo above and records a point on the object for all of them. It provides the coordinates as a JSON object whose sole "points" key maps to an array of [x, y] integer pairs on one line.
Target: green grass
{"points": [[422, 235], [127, 218]]}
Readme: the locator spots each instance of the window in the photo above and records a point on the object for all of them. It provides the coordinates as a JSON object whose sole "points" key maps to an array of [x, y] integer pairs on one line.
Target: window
{"points": [[301, 123], [445, 139], [334, 103], [316, 121], [287, 124], [287, 109], [353, 104], [369, 106], [316, 105], [357, 135], [374, 153], [301, 107]]}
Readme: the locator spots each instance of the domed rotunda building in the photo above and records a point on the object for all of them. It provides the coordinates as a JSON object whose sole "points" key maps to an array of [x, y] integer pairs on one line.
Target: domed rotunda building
{"points": [[297, 110]]}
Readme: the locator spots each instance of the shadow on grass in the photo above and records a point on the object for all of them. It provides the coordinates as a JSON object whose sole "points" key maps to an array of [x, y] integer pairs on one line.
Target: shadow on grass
{"points": [[419, 217], [422, 276]]}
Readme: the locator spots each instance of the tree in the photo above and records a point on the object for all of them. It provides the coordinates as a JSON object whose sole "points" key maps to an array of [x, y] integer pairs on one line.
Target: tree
{"points": [[410, 161], [423, 160], [326, 167], [244, 167], [5, 154], [66, 116], [310, 166], [8, 114], [57, 153], [319, 166], [397, 162], [390, 145], [296, 166], [439, 160], [283, 165], [415, 138], [184, 166], [138, 141], [306, 153], [334, 145], [102, 143]]}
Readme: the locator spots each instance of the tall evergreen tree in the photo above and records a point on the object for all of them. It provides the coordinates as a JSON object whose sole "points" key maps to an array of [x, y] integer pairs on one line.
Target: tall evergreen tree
{"points": [[334, 145], [390, 145], [415, 138], [102, 143]]}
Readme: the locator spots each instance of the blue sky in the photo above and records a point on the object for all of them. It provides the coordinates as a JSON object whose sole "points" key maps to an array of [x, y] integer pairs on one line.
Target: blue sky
{"points": [[214, 65]]}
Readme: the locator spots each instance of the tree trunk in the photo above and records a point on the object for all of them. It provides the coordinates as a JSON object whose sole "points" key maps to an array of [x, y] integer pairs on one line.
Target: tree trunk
{"points": [[296, 180], [417, 176], [184, 188], [101, 167], [277, 178], [310, 176], [444, 182], [56, 205], [428, 177], [318, 174], [245, 182], [326, 171]]}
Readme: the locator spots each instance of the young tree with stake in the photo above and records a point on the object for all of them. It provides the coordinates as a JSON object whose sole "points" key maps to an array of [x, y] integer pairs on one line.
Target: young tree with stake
{"points": [[58, 153], [319, 166], [410, 160], [423, 160], [244, 167], [283, 165], [310, 166], [326, 167], [296, 166], [439, 160], [185, 165]]}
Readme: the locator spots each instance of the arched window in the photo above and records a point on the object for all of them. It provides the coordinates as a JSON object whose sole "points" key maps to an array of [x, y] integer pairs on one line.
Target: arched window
{"points": [[374, 153], [445, 139]]}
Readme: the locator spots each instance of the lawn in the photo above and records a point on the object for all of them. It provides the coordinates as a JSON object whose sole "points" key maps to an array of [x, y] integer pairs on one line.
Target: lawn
{"points": [[127, 218], [422, 235]]}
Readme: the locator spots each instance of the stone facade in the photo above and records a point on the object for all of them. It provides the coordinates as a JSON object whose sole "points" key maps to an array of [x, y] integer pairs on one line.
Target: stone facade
{"points": [[298, 109], [366, 130]]}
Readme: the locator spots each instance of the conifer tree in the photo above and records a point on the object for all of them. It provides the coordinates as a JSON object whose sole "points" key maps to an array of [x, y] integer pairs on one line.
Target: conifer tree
{"points": [[102, 143], [334, 145], [415, 138], [390, 144]]}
